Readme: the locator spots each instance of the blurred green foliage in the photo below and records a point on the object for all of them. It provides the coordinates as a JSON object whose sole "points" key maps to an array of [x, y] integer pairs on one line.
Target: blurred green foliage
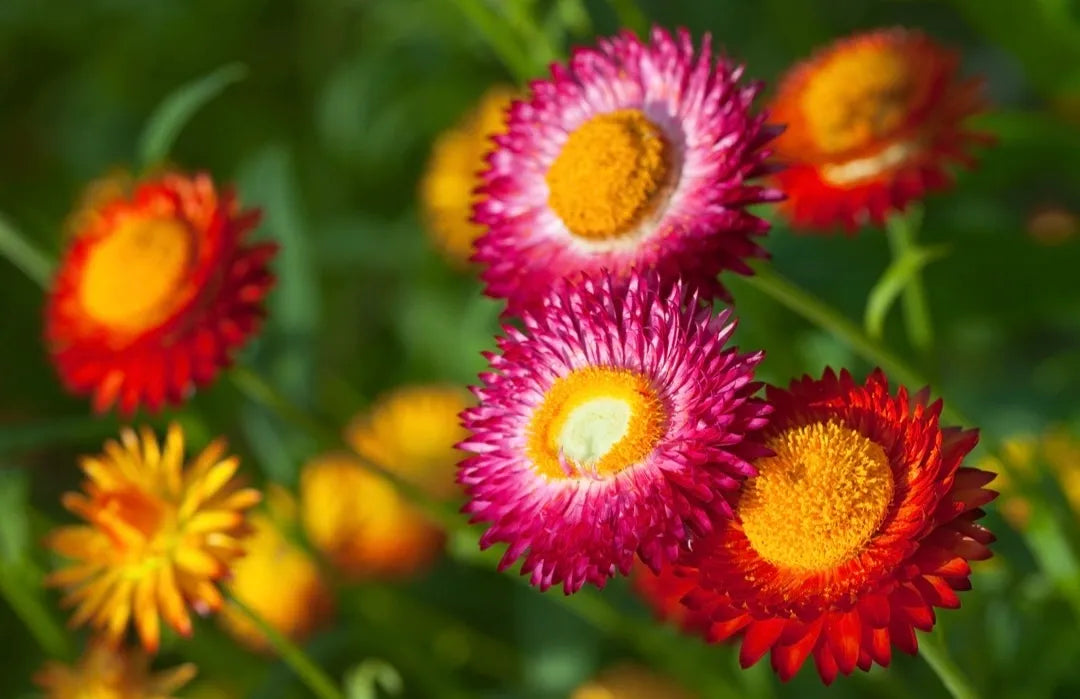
{"points": [[328, 133]]}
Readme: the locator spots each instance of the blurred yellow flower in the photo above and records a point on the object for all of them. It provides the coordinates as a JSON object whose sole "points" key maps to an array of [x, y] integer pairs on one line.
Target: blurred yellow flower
{"points": [[453, 172], [630, 682], [360, 522], [158, 535], [1056, 454], [105, 672], [412, 432], [273, 564]]}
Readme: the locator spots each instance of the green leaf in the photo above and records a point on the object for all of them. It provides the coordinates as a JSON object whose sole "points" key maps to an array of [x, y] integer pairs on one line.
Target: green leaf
{"points": [[49, 433], [892, 283], [16, 248], [268, 181], [14, 526], [179, 107]]}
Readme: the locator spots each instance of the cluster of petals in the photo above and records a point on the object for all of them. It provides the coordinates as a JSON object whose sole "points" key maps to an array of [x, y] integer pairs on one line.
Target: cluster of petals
{"points": [[850, 614], [873, 122], [155, 294], [581, 526], [158, 535], [696, 225]]}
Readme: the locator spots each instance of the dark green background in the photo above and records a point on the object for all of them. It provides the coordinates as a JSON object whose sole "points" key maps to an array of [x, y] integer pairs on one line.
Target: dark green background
{"points": [[328, 134]]}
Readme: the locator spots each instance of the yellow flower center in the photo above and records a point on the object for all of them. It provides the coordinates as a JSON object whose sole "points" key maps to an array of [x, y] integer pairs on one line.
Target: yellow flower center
{"points": [[608, 174], [133, 276], [819, 500], [858, 98], [595, 421]]}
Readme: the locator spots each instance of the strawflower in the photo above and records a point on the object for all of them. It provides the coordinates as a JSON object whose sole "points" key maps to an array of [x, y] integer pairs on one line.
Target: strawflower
{"points": [[277, 579], [873, 122], [107, 672], [632, 155], [861, 523], [155, 293], [360, 523], [158, 535], [448, 187], [614, 425]]}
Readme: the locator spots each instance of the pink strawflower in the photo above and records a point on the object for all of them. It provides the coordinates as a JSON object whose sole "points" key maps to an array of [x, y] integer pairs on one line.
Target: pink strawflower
{"points": [[614, 424], [633, 155]]}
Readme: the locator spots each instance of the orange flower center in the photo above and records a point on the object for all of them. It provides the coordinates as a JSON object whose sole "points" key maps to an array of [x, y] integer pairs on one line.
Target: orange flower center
{"points": [[607, 177], [133, 519], [133, 276], [858, 98], [595, 422], [819, 500]]}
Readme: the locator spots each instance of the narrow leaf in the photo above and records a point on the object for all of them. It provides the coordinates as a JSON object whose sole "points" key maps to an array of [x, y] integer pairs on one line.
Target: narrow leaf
{"points": [[174, 112]]}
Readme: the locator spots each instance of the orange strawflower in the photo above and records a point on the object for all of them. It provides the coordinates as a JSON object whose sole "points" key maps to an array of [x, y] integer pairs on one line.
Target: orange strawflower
{"points": [[158, 535], [630, 682], [273, 563], [872, 123], [447, 190], [1029, 459], [861, 522], [155, 294], [363, 526], [106, 672], [412, 431]]}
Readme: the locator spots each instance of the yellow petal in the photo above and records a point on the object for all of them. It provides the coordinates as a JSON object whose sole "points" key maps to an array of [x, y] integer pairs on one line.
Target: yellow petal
{"points": [[151, 452], [213, 520], [198, 563], [171, 603], [76, 541], [172, 460], [146, 614]]}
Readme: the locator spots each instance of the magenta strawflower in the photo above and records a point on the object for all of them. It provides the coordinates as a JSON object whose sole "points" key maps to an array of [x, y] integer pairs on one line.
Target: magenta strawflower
{"points": [[614, 424], [632, 155]]}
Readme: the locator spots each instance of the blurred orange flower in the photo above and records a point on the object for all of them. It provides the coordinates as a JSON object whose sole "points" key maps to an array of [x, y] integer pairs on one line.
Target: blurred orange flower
{"points": [[1027, 458], [412, 432], [105, 672], [360, 522], [453, 173], [274, 563], [155, 293], [630, 682], [158, 535], [872, 122]]}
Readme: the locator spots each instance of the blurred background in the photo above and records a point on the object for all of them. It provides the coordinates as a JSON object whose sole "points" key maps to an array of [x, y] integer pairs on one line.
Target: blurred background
{"points": [[329, 132]]}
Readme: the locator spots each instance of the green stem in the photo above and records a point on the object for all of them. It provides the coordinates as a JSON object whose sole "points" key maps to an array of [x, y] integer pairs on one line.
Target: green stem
{"points": [[34, 613], [630, 16], [304, 667], [933, 649], [497, 33], [902, 232], [821, 314], [32, 262]]}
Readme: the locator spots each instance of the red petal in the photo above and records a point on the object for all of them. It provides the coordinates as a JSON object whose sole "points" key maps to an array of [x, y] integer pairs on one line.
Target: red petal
{"points": [[759, 638]]}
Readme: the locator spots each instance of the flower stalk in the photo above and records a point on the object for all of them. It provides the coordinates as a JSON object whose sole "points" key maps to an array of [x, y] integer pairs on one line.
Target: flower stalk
{"points": [[305, 668]]}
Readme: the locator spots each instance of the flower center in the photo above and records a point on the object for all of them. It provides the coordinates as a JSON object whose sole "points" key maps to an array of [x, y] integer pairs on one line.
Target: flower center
{"points": [[133, 276], [861, 96], [819, 500], [595, 422], [132, 518], [607, 175]]}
